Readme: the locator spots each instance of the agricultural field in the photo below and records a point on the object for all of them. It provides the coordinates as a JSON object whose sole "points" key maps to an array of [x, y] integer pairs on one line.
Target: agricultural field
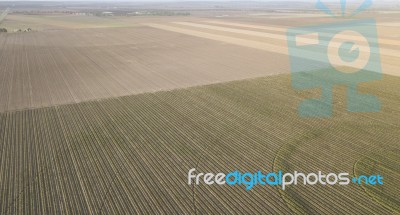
{"points": [[55, 67], [63, 65], [107, 114], [131, 154]]}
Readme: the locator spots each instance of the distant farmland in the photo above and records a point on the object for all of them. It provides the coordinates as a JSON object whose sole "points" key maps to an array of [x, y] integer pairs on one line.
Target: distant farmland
{"points": [[3, 15], [131, 154], [41, 69], [57, 67], [106, 115]]}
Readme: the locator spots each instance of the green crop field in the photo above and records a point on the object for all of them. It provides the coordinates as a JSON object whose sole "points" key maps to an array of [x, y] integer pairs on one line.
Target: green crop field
{"points": [[131, 154]]}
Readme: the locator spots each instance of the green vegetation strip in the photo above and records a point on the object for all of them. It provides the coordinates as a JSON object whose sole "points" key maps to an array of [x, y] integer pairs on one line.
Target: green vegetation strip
{"points": [[131, 154]]}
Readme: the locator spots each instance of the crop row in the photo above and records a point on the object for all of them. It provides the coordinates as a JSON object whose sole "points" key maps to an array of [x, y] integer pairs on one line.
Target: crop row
{"points": [[132, 154]]}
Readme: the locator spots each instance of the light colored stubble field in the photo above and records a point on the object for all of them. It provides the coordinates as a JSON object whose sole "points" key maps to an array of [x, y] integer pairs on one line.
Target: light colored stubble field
{"points": [[49, 68]]}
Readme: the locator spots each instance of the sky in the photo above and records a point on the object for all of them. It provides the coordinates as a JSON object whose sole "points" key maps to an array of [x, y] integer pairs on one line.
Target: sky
{"points": [[350, 1], [170, 0]]}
